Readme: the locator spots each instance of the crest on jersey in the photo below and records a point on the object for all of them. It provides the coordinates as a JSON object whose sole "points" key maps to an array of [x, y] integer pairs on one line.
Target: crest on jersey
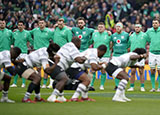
{"points": [[118, 41], [80, 36], [115, 38], [122, 37], [84, 32], [76, 32]]}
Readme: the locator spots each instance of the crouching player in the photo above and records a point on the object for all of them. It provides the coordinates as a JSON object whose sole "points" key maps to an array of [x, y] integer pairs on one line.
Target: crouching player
{"points": [[25, 69], [114, 68], [79, 71], [68, 54], [5, 62]]}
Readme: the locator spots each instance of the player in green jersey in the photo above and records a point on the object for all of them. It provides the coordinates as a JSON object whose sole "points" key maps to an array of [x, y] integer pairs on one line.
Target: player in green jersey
{"points": [[41, 38], [83, 33], [62, 34], [98, 38], [137, 40], [152, 36], [120, 43], [5, 36], [20, 39]]}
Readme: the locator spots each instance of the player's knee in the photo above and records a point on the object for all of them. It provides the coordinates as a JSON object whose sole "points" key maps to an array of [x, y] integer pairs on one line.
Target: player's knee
{"points": [[126, 78], [37, 79], [65, 79]]}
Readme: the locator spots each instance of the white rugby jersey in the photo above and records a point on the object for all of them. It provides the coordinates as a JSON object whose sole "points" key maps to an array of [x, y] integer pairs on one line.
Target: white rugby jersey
{"points": [[5, 59], [92, 57], [124, 60], [67, 54], [38, 58]]}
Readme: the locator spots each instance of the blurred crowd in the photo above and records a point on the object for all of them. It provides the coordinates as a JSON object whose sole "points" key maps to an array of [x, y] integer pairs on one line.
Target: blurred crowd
{"points": [[94, 11]]}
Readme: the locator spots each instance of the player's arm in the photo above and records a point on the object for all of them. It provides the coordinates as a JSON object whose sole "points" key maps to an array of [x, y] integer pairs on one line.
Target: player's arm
{"points": [[135, 57], [80, 59], [49, 69], [96, 67], [69, 36]]}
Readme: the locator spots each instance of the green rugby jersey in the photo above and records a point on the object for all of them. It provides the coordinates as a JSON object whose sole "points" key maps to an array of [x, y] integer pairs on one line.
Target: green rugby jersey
{"points": [[5, 39], [101, 38], [20, 40], [41, 38], [85, 36], [137, 41], [62, 36], [153, 37], [120, 43]]}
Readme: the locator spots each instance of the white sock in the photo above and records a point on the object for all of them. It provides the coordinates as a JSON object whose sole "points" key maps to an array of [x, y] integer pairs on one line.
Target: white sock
{"points": [[51, 82], [121, 87], [85, 93], [27, 95], [4, 93], [56, 92], [38, 96], [81, 88]]}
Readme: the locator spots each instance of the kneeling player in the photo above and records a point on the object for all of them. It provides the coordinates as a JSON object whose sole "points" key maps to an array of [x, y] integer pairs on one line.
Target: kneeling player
{"points": [[114, 68], [78, 71]]}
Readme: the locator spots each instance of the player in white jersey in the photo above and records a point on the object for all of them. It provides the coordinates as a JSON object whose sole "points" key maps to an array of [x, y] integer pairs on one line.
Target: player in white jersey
{"points": [[114, 68], [79, 71], [68, 54], [5, 62], [25, 69]]}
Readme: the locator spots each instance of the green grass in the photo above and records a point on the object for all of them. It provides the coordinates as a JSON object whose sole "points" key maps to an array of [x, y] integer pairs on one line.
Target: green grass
{"points": [[143, 103]]}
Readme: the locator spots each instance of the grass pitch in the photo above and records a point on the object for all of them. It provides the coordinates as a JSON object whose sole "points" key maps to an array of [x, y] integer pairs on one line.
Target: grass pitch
{"points": [[143, 103]]}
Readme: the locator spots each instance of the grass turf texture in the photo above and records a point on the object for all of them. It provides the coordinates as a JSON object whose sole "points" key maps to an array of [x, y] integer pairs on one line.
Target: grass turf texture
{"points": [[143, 103]]}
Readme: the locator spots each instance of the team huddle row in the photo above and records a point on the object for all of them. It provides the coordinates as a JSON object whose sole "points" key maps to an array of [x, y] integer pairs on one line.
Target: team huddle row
{"points": [[62, 62]]}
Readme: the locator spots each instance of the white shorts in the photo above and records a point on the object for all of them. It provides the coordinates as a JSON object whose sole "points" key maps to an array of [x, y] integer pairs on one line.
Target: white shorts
{"points": [[22, 56], [141, 63], [154, 60], [104, 59]]}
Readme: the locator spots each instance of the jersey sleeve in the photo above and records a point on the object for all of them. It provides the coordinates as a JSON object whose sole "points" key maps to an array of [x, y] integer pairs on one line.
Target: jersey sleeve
{"points": [[129, 42], [92, 39], [43, 57], [74, 52], [51, 35], [29, 38], [69, 35], [92, 58], [146, 36]]}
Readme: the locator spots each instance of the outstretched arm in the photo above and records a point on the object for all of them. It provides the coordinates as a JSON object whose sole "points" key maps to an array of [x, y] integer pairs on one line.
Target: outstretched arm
{"points": [[135, 57], [80, 60]]}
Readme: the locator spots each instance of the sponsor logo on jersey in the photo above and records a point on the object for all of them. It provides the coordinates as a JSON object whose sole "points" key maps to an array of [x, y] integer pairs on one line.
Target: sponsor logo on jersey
{"points": [[115, 38], [76, 32], [122, 37], [80, 36], [84, 32], [118, 41]]}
